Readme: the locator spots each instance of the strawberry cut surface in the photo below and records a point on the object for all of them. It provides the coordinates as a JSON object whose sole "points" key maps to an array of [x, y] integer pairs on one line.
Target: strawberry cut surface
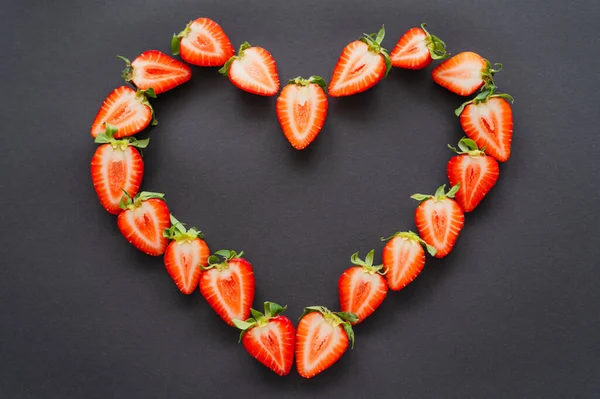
{"points": [[143, 225], [156, 70], [229, 288], [490, 125], [124, 108], [301, 111], [204, 43], [114, 170]]}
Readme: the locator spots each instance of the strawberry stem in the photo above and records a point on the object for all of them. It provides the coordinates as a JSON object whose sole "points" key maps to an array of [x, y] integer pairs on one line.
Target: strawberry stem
{"points": [[176, 40], [437, 48], [178, 232], [272, 309], [122, 144], [128, 72], [366, 264], [439, 195], [214, 261], [469, 147], [374, 41]]}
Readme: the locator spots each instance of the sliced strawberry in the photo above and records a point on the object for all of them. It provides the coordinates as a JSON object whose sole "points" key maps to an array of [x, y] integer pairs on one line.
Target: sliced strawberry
{"points": [[253, 70], [488, 121], [204, 43], [143, 220], [321, 339], [362, 64], [184, 255], [465, 73], [476, 173], [116, 167], [404, 258], [129, 111], [228, 285], [301, 110], [269, 338], [417, 48], [156, 70], [362, 288], [439, 219]]}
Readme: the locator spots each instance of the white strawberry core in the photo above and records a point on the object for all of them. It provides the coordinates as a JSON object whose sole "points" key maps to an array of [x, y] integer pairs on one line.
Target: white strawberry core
{"points": [[187, 255]]}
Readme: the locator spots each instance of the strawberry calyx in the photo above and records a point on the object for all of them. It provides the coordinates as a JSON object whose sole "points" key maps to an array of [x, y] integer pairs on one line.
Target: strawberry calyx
{"points": [[335, 319], [225, 68], [259, 319], [484, 96], [142, 96], [440, 194], [374, 40], [128, 72], [412, 237], [305, 82], [176, 40], [468, 147], [179, 233], [437, 48], [215, 262], [118, 144], [132, 203], [367, 264], [487, 75]]}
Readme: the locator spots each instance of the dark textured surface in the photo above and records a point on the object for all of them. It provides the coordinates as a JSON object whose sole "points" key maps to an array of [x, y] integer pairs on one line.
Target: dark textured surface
{"points": [[512, 312]]}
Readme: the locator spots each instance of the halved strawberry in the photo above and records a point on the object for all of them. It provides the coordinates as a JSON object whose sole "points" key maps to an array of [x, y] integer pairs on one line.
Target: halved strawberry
{"points": [[465, 73], [228, 285], [439, 219], [116, 167], [321, 339], [253, 70], [404, 258], [476, 173], [184, 255], [417, 48], [269, 338], [156, 70], [362, 288], [126, 109], [204, 43], [301, 110], [488, 120], [362, 64], [143, 220]]}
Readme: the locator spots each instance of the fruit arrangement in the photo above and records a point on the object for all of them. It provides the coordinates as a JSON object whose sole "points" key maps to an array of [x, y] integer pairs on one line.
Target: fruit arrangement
{"points": [[225, 278]]}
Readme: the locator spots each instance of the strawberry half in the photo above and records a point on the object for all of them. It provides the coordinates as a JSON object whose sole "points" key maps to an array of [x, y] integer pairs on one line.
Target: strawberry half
{"points": [[126, 109], [204, 43], [143, 220], [465, 73], [228, 285], [184, 255], [476, 173], [116, 166], [488, 120], [269, 338], [439, 219], [362, 64], [322, 338], [156, 70], [404, 258], [301, 110], [253, 70], [362, 288], [417, 48]]}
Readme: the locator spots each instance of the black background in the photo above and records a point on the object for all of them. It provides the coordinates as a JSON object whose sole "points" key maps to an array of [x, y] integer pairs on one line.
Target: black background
{"points": [[512, 312]]}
